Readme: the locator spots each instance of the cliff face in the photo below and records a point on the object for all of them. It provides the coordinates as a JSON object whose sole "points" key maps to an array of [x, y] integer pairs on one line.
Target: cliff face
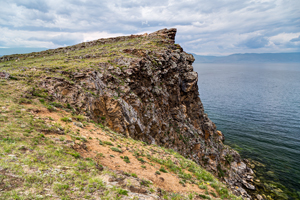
{"points": [[144, 86]]}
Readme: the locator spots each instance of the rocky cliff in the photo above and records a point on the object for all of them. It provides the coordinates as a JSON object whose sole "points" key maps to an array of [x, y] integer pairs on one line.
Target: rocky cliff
{"points": [[142, 86]]}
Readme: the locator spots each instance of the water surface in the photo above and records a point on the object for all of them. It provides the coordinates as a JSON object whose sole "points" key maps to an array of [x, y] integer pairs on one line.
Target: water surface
{"points": [[257, 107]]}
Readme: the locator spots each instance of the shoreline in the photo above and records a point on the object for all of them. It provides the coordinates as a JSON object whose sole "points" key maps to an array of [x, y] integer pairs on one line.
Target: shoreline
{"points": [[265, 180]]}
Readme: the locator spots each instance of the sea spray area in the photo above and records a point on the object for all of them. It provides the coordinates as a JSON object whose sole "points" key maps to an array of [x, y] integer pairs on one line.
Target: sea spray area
{"points": [[256, 106]]}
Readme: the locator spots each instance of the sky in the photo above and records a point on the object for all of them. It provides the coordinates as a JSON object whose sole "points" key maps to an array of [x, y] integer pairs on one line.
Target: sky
{"points": [[204, 27]]}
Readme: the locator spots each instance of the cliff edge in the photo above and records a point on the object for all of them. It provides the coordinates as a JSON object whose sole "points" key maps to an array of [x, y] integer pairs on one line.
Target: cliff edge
{"points": [[141, 86]]}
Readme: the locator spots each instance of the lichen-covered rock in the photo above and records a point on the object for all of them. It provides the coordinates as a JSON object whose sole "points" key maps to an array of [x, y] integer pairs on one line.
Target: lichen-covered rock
{"points": [[151, 95]]}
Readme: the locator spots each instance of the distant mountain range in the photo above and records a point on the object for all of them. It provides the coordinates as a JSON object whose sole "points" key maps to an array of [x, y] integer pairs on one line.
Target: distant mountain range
{"points": [[251, 58], [9, 51]]}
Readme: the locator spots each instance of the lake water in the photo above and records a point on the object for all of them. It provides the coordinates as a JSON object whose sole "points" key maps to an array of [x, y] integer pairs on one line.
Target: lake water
{"points": [[257, 107]]}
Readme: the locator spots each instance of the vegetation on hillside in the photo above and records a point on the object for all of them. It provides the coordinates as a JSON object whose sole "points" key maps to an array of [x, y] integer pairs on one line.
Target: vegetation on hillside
{"points": [[48, 151]]}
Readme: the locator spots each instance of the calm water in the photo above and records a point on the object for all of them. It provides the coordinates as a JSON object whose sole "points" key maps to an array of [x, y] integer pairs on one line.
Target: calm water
{"points": [[257, 107]]}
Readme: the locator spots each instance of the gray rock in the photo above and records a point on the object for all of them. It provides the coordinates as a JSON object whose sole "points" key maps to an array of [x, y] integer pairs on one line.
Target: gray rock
{"points": [[4, 75], [79, 124], [189, 80], [248, 185]]}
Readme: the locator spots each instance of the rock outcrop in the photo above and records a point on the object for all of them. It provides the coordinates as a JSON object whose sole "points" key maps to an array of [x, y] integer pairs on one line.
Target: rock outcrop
{"points": [[148, 93]]}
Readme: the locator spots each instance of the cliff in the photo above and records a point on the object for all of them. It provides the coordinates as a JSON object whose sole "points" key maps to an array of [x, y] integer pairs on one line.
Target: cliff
{"points": [[140, 86]]}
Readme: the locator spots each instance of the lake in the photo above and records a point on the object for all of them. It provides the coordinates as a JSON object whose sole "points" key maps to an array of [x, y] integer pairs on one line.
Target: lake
{"points": [[257, 107]]}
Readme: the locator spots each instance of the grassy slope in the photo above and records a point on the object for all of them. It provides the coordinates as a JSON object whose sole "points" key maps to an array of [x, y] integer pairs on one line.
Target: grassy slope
{"points": [[45, 155]]}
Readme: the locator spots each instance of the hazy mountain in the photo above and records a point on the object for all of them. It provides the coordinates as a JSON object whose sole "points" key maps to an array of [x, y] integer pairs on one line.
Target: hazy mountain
{"points": [[9, 51], [250, 58]]}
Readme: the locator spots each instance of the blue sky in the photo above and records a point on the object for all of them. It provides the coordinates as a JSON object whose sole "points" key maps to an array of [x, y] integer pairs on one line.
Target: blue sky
{"points": [[205, 27]]}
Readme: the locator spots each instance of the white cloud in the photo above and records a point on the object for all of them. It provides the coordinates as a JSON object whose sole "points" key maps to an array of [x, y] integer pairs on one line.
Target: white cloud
{"points": [[204, 27], [96, 35], [283, 37]]}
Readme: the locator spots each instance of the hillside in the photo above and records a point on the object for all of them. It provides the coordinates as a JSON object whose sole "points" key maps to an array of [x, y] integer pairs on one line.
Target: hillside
{"points": [[251, 58], [112, 119]]}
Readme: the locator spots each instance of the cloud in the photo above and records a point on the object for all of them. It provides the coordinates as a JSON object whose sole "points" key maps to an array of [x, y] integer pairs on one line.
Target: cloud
{"points": [[204, 27], [63, 39], [296, 39], [34, 5], [256, 42]]}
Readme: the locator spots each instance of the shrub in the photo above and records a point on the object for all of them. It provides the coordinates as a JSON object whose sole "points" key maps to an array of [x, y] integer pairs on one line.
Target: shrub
{"points": [[214, 194], [204, 196], [69, 106], [220, 171], [145, 182], [141, 160], [57, 105], [181, 182], [162, 169], [126, 159], [38, 93], [66, 119], [25, 101], [116, 149], [223, 192], [79, 117], [108, 143], [83, 139], [185, 176], [229, 158], [76, 155], [50, 108], [122, 192]]}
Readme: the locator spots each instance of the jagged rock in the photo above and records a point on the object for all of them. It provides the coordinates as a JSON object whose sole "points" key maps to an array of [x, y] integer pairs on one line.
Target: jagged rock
{"points": [[248, 185], [189, 80]]}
